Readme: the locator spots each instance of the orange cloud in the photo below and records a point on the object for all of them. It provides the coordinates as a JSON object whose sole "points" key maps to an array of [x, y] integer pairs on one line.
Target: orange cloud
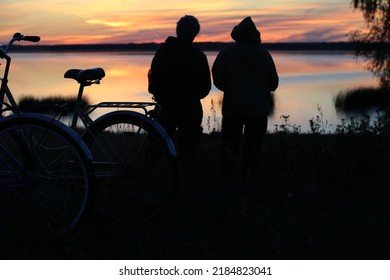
{"points": [[108, 23]]}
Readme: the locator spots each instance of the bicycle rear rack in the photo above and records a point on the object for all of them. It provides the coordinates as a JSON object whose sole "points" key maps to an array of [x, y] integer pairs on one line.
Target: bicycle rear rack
{"points": [[133, 105]]}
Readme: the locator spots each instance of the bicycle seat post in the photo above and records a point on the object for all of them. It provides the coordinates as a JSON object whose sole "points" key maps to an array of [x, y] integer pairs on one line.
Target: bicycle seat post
{"points": [[77, 106], [85, 78]]}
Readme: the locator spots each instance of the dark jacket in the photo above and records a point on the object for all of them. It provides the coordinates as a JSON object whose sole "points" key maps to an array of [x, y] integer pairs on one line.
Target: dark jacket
{"points": [[180, 77], [246, 73]]}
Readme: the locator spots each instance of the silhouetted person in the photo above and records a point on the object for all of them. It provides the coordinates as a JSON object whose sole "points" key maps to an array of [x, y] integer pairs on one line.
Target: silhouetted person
{"points": [[179, 78], [246, 73]]}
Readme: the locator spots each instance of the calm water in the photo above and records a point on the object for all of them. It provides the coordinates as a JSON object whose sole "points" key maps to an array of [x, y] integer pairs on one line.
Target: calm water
{"points": [[306, 80]]}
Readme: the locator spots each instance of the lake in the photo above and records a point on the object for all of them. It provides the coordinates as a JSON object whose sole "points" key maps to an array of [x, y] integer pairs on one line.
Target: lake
{"points": [[307, 80]]}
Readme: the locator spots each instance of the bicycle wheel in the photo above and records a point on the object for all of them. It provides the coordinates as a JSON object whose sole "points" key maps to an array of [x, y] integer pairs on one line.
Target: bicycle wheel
{"points": [[135, 165], [46, 180]]}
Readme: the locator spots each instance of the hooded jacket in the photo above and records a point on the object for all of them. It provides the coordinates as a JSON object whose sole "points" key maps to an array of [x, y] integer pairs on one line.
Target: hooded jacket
{"points": [[246, 73]]}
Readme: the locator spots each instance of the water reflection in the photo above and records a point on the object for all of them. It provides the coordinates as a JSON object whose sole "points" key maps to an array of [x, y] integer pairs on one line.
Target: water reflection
{"points": [[306, 80]]}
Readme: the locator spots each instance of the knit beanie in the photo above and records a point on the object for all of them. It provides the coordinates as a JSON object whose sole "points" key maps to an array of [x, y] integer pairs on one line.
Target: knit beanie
{"points": [[187, 28]]}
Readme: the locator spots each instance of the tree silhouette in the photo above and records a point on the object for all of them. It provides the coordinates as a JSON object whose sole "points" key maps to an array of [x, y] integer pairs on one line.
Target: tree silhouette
{"points": [[374, 45]]}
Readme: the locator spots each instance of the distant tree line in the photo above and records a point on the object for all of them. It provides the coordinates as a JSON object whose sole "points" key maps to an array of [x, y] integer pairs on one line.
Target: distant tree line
{"points": [[206, 46]]}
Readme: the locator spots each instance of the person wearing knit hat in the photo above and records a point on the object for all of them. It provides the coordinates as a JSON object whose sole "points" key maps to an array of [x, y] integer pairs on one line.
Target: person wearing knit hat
{"points": [[179, 77], [187, 28], [247, 75]]}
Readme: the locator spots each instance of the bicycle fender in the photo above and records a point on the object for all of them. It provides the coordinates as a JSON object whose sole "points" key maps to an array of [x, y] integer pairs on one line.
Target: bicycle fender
{"points": [[142, 117]]}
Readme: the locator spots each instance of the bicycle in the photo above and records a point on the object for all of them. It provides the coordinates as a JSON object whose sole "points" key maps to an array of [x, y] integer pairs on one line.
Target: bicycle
{"points": [[134, 158], [46, 175]]}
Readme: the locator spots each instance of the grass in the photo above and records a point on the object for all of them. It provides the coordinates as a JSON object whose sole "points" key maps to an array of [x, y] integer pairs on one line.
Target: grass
{"points": [[50, 104], [312, 196], [319, 195]]}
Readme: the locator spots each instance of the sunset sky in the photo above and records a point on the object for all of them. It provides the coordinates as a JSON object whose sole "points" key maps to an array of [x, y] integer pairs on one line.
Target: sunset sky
{"points": [[136, 21]]}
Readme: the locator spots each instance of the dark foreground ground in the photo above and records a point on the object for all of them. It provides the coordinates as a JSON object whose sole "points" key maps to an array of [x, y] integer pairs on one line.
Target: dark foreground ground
{"points": [[312, 197]]}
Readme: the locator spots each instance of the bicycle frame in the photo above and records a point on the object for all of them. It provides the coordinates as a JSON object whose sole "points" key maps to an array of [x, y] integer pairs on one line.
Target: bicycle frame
{"points": [[134, 158], [4, 89], [83, 113]]}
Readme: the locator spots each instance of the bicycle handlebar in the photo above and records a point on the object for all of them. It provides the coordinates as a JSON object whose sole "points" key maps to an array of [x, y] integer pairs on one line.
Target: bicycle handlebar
{"points": [[19, 37], [32, 38]]}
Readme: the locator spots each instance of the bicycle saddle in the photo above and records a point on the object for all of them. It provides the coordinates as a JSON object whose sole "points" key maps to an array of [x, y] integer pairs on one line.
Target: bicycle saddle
{"points": [[85, 75]]}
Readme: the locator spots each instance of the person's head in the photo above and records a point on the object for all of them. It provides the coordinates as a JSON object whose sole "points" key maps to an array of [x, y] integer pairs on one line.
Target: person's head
{"points": [[246, 32], [187, 28]]}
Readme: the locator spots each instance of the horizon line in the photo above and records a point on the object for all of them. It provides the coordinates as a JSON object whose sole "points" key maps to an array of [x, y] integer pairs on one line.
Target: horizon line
{"points": [[206, 46], [196, 42]]}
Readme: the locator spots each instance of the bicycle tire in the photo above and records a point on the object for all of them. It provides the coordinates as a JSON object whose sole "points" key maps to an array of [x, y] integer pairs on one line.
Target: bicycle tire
{"points": [[136, 166], [46, 178]]}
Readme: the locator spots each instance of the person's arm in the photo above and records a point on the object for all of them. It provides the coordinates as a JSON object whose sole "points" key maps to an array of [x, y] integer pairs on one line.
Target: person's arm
{"points": [[218, 71], [153, 74], [273, 74], [204, 79]]}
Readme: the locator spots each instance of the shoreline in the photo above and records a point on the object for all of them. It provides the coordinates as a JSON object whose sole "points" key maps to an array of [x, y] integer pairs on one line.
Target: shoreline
{"points": [[205, 46]]}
